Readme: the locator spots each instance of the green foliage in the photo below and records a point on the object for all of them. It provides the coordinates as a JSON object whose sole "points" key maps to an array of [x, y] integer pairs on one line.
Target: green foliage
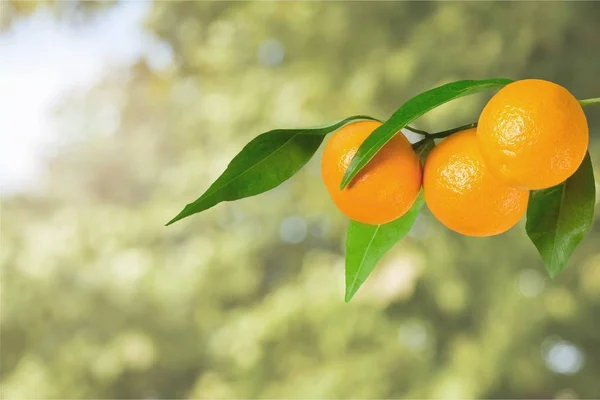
{"points": [[558, 218], [408, 112], [77, 12], [275, 156], [263, 164], [367, 244]]}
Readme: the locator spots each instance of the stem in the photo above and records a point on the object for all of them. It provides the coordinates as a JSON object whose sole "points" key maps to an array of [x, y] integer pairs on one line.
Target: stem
{"points": [[442, 134], [415, 130], [446, 133], [449, 132], [588, 102]]}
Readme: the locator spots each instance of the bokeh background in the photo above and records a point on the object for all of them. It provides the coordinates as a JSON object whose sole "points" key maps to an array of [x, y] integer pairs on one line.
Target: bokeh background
{"points": [[115, 115]]}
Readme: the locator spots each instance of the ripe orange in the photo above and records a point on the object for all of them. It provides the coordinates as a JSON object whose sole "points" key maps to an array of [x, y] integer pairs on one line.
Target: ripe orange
{"points": [[533, 134], [464, 195], [385, 188]]}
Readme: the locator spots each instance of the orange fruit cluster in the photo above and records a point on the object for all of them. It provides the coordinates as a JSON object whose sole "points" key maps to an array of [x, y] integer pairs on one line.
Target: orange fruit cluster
{"points": [[531, 135]]}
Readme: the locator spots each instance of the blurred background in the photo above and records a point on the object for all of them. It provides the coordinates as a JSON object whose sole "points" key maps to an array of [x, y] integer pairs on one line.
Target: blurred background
{"points": [[116, 114]]}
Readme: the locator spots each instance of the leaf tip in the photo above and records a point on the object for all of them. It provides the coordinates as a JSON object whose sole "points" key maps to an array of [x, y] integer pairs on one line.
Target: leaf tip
{"points": [[179, 216], [345, 181], [171, 222], [553, 274], [349, 295], [351, 289]]}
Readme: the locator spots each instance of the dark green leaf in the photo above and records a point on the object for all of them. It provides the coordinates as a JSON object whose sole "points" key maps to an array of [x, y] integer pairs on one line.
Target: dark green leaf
{"points": [[423, 147], [264, 163], [366, 244], [559, 217], [408, 112]]}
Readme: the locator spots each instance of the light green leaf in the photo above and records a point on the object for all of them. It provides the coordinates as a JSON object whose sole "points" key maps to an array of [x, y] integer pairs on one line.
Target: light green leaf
{"points": [[367, 244], [559, 217]]}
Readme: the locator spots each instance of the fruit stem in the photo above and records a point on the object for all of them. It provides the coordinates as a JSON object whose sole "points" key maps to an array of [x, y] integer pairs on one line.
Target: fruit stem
{"points": [[443, 134], [415, 130], [588, 102], [449, 132]]}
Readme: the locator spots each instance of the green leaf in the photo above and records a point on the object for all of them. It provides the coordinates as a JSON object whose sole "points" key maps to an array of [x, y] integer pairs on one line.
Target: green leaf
{"points": [[423, 148], [366, 244], [408, 112], [263, 164], [559, 217]]}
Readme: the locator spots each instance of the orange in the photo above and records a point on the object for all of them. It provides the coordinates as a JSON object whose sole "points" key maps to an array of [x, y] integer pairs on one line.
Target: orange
{"points": [[464, 195], [385, 188], [533, 134]]}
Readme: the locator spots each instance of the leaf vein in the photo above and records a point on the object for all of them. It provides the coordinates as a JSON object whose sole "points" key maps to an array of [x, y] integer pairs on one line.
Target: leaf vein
{"points": [[211, 191], [364, 257], [558, 223]]}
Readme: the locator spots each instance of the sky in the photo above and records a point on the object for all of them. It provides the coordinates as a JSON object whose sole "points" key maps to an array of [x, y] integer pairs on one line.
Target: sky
{"points": [[41, 60]]}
